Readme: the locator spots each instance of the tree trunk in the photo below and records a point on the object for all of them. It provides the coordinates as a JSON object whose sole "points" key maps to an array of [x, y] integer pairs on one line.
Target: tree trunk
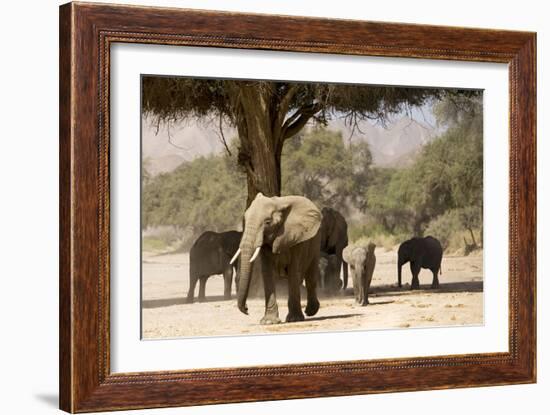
{"points": [[473, 237], [260, 151]]}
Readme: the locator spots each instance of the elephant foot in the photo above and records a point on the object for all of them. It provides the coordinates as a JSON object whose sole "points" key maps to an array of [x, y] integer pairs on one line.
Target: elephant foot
{"points": [[270, 319], [312, 307], [189, 300], [292, 317], [435, 285], [201, 299], [227, 297], [415, 287]]}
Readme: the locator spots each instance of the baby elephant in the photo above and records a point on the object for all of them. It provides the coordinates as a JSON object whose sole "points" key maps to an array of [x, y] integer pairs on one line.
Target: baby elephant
{"points": [[421, 253], [362, 262], [329, 272]]}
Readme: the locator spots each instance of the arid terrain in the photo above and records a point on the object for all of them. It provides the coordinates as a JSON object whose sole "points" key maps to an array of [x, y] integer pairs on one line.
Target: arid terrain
{"points": [[458, 301]]}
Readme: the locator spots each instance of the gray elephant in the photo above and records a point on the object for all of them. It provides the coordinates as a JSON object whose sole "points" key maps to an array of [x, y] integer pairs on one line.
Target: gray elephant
{"points": [[211, 255], [334, 238], [283, 233], [421, 253], [362, 262], [329, 272]]}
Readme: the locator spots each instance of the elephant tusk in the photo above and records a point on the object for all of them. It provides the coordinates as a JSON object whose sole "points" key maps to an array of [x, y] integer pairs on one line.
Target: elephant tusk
{"points": [[235, 256], [256, 252]]}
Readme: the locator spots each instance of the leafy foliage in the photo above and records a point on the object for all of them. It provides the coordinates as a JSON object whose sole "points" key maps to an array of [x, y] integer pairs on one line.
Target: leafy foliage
{"points": [[440, 194], [207, 193], [322, 168], [268, 113], [178, 98], [443, 190]]}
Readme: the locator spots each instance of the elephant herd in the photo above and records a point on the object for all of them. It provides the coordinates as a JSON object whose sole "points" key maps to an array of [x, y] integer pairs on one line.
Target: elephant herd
{"points": [[290, 236]]}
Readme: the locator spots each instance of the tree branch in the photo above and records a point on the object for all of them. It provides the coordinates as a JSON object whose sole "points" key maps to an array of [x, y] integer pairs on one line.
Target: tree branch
{"points": [[298, 120], [283, 107], [222, 136]]}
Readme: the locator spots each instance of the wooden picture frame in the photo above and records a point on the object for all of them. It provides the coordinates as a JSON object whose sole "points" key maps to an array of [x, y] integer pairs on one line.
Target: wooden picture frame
{"points": [[86, 33]]}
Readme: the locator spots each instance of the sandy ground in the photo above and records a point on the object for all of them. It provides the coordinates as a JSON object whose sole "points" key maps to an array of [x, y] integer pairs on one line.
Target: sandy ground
{"points": [[458, 301]]}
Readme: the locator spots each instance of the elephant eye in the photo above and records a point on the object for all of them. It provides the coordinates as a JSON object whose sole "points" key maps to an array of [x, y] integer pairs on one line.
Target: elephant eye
{"points": [[268, 221]]}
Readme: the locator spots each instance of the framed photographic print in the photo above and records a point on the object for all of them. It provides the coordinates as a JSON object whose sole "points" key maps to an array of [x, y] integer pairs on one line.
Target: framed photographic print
{"points": [[260, 207]]}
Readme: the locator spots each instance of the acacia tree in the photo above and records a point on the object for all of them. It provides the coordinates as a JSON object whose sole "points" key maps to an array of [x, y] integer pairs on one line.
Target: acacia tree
{"points": [[267, 113]]}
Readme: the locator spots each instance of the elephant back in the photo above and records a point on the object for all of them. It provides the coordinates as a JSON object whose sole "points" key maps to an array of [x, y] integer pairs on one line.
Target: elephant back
{"points": [[205, 254], [334, 230], [230, 242]]}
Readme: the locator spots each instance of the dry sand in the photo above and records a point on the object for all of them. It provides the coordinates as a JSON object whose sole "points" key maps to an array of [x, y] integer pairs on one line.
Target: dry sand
{"points": [[458, 301]]}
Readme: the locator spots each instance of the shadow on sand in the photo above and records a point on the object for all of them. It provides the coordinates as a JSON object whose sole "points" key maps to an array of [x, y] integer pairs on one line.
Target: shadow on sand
{"points": [[382, 290], [452, 287], [338, 316], [167, 302]]}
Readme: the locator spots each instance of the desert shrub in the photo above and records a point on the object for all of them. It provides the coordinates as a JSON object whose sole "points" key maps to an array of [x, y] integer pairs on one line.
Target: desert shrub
{"points": [[444, 227], [457, 231], [381, 240]]}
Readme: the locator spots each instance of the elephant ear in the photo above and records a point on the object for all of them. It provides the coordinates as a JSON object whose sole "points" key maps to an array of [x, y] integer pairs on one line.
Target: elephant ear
{"points": [[301, 221]]}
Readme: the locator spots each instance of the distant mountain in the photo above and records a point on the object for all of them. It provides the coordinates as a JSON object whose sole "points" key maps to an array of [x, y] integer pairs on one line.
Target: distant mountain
{"points": [[394, 145], [181, 142]]}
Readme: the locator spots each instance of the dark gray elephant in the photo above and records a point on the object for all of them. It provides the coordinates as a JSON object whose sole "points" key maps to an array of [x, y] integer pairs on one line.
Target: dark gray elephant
{"points": [[284, 233], [334, 238], [362, 262], [211, 255], [329, 272], [421, 253]]}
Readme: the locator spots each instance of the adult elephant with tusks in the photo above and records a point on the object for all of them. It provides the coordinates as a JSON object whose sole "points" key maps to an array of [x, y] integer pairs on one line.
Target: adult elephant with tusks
{"points": [[211, 255], [421, 253], [281, 232]]}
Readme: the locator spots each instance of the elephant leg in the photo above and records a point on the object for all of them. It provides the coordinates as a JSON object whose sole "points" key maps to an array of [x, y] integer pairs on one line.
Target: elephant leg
{"points": [[356, 277], [192, 283], [227, 280], [415, 270], [435, 281], [311, 285], [345, 267], [202, 287], [366, 280], [271, 315], [363, 290], [294, 303]]}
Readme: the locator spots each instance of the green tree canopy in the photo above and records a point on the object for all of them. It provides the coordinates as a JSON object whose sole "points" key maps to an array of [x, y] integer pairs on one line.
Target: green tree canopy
{"points": [[321, 167], [207, 193], [447, 176]]}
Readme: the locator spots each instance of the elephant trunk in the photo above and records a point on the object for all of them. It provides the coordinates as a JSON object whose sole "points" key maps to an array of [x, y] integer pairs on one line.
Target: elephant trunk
{"points": [[252, 239]]}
